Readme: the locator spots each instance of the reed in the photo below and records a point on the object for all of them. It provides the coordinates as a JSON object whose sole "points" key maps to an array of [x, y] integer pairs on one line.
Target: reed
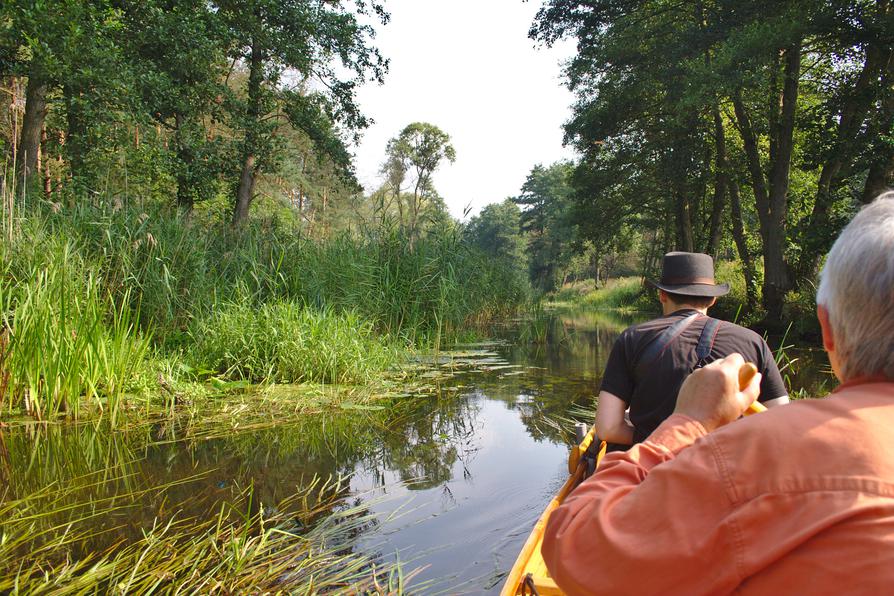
{"points": [[285, 342], [87, 291], [69, 345], [301, 544]]}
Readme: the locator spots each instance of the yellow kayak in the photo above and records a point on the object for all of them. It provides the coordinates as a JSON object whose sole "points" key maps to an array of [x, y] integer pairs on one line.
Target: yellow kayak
{"points": [[529, 574]]}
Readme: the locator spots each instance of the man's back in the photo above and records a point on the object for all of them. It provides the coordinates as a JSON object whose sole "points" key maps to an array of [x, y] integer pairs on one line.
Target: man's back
{"points": [[825, 515], [650, 387], [797, 500]]}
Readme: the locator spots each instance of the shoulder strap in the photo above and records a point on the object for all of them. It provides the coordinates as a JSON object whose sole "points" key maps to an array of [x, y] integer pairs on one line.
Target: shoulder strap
{"points": [[657, 346], [706, 341]]}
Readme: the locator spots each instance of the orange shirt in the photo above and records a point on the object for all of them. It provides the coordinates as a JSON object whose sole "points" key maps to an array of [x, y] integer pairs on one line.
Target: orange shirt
{"points": [[799, 499]]}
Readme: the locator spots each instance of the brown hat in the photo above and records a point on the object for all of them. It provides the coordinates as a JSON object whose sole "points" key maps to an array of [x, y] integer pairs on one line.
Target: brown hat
{"points": [[689, 274]]}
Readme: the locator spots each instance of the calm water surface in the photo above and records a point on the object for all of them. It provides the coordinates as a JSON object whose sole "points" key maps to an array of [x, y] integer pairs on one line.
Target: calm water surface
{"points": [[457, 477]]}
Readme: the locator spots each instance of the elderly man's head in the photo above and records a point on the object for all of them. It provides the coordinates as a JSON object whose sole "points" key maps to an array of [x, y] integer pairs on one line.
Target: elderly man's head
{"points": [[856, 294]]}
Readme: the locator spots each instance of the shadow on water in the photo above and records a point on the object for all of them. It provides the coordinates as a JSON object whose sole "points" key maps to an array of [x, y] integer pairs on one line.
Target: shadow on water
{"points": [[465, 468]]}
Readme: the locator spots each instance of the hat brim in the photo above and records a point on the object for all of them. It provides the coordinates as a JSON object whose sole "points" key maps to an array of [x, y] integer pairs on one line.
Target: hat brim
{"points": [[702, 290]]}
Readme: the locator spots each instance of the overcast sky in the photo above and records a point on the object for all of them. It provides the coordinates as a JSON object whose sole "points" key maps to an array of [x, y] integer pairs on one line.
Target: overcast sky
{"points": [[468, 67]]}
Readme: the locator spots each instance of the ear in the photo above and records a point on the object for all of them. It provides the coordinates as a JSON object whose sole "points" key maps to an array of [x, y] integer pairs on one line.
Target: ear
{"points": [[826, 325], [713, 302], [662, 296]]}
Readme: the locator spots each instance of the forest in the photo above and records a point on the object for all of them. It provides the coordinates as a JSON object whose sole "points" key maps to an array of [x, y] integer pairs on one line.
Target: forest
{"points": [[184, 230]]}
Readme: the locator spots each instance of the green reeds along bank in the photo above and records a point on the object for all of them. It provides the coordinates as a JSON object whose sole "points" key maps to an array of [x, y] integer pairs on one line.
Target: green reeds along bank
{"points": [[286, 342], [67, 345], [87, 291]]}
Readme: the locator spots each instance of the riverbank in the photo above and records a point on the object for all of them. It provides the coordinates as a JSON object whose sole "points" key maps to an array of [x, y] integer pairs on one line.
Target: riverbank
{"points": [[634, 294], [109, 310]]}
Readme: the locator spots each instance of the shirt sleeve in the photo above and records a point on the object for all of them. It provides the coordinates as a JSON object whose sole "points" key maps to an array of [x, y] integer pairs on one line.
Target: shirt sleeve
{"points": [[617, 379], [772, 385], [645, 523]]}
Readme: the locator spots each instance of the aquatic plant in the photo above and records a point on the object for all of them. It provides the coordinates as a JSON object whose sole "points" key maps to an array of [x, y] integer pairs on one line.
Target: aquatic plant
{"points": [[302, 544], [286, 342], [67, 343]]}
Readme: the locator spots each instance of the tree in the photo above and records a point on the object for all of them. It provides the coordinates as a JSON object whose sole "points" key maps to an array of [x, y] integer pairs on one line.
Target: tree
{"points": [[75, 47], [289, 49], [179, 48], [802, 85], [546, 220], [420, 148], [496, 232]]}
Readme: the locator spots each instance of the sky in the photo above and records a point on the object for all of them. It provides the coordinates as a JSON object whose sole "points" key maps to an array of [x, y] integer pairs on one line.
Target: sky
{"points": [[468, 67]]}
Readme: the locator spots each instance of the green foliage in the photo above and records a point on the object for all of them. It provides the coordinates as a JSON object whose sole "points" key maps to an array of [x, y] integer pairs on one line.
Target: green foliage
{"points": [[419, 148], [680, 144], [546, 218], [625, 294], [84, 289], [496, 232], [68, 344], [287, 343]]}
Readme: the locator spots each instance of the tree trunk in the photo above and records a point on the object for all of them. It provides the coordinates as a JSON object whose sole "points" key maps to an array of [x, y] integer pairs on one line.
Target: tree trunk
{"points": [[771, 196], [881, 168], [245, 191], [880, 178], [776, 278], [739, 238], [753, 160], [45, 171], [720, 185], [32, 127], [76, 140], [683, 222], [185, 162], [246, 188]]}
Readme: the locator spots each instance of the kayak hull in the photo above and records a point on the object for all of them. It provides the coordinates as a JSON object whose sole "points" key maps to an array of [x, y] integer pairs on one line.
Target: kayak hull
{"points": [[529, 575]]}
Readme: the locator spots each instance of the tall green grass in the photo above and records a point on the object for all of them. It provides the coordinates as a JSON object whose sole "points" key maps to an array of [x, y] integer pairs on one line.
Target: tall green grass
{"points": [[624, 294], [67, 344], [288, 343], [86, 292]]}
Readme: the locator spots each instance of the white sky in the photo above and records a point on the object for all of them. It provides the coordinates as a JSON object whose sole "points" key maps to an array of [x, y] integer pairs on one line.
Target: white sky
{"points": [[468, 67]]}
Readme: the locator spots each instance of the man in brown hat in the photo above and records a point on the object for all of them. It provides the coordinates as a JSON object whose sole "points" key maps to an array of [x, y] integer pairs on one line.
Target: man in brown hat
{"points": [[649, 361]]}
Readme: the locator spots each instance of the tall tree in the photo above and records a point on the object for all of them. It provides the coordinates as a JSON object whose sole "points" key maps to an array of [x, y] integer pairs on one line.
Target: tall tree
{"points": [[546, 219], [797, 79], [303, 61], [420, 148], [178, 48]]}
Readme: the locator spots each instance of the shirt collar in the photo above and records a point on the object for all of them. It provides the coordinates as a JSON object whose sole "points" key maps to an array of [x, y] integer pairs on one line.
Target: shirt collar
{"points": [[866, 380]]}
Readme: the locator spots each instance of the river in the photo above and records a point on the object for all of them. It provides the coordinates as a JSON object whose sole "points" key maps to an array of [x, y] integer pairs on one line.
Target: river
{"points": [[457, 476]]}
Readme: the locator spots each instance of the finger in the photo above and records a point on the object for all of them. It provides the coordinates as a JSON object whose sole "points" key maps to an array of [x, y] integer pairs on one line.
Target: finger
{"points": [[735, 359]]}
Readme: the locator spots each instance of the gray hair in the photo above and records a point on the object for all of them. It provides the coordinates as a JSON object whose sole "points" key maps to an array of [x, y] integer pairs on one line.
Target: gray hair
{"points": [[857, 288]]}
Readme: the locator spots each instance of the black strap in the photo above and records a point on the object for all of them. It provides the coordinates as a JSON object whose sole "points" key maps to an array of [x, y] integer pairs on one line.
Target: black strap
{"points": [[706, 342], [656, 348]]}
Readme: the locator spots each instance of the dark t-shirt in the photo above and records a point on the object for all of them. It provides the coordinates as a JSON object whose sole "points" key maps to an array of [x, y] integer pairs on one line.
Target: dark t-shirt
{"points": [[652, 396]]}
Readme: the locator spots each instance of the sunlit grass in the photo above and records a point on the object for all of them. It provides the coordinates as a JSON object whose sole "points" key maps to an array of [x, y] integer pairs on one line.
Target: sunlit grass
{"points": [[92, 299], [285, 342], [67, 344], [624, 294], [302, 544]]}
